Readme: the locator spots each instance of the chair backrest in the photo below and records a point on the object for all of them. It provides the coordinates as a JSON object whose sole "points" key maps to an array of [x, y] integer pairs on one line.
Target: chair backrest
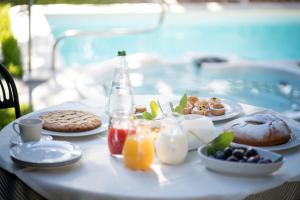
{"points": [[8, 92]]}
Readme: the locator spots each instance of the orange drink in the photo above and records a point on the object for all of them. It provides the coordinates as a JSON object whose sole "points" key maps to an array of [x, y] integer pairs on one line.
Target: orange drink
{"points": [[138, 150]]}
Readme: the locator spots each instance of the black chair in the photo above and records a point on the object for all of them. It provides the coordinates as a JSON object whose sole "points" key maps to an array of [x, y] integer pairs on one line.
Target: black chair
{"points": [[9, 97], [11, 187]]}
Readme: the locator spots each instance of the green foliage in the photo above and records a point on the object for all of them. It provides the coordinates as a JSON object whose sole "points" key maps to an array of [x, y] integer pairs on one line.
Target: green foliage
{"points": [[220, 143], [180, 107], [154, 111], [10, 49], [15, 70], [8, 115]]}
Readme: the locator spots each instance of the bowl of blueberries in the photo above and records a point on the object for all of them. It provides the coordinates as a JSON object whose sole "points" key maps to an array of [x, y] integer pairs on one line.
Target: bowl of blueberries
{"points": [[242, 160]]}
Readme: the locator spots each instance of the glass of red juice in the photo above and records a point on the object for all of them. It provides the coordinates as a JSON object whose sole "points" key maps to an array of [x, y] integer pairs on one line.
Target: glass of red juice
{"points": [[121, 125]]}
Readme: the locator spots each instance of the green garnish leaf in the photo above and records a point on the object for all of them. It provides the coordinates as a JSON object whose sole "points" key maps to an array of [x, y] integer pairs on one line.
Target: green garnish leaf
{"points": [[179, 109], [138, 117], [154, 109], [147, 116], [220, 143], [183, 101]]}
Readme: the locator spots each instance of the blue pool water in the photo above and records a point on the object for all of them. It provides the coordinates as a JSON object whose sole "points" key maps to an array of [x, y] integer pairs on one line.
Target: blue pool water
{"points": [[256, 36], [275, 89]]}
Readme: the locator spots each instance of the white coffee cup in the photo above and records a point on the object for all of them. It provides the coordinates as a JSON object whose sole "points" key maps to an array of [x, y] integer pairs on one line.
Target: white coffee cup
{"points": [[29, 129]]}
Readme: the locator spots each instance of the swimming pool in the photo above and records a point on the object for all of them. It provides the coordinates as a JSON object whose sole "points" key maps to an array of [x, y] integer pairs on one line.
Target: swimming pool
{"points": [[251, 35], [261, 35], [257, 85]]}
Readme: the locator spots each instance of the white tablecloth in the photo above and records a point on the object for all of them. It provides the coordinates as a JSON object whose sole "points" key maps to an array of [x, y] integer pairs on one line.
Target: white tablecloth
{"points": [[101, 176]]}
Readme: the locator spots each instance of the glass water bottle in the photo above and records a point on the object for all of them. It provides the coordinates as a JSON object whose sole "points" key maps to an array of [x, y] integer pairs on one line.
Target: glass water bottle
{"points": [[120, 97]]}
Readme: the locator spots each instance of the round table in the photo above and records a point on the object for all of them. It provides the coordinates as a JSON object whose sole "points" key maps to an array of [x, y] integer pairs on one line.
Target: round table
{"points": [[98, 175]]}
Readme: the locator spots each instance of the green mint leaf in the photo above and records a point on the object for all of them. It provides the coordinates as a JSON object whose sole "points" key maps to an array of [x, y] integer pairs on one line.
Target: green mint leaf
{"points": [[154, 109], [171, 106], [179, 109], [147, 116], [138, 117], [220, 143], [183, 101]]}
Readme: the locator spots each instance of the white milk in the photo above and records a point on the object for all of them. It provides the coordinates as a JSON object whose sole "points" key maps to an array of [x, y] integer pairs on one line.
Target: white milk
{"points": [[172, 144]]}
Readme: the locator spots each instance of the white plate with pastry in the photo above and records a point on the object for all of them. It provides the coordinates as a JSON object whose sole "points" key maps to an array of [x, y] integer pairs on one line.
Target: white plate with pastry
{"points": [[72, 123], [214, 108], [266, 129]]}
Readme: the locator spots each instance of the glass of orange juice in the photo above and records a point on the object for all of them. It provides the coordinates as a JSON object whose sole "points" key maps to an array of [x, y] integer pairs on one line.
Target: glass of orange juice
{"points": [[138, 150]]}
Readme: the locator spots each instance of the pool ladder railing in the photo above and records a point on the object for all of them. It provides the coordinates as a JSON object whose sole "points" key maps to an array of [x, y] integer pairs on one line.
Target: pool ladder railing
{"points": [[112, 32]]}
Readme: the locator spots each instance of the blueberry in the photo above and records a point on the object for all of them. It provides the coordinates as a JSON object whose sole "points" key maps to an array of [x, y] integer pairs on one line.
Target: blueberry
{"points": [[238, 153], [258, 157], [228, 151], [242, 149], [220, 155], [232, 158], [264, 161], [268, 160], [252, 159], [245, 158], [251, 152]]}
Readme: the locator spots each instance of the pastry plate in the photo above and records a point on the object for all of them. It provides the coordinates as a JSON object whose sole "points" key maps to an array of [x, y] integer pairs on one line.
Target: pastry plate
{"points": [[292, 143], [45, 154], [295, 138], [243, 169], [232, 109], [101, 129]]}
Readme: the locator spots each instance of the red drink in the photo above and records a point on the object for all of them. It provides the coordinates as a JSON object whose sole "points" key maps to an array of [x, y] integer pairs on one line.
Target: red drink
{"points": [[121, 124], [116, 140]]}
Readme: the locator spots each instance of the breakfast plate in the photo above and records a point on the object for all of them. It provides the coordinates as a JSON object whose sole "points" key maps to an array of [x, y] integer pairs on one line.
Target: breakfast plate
{"points": [[45, 154], [262, 128], [101, 129], [232, 109], [243, 168], [293, 142]]}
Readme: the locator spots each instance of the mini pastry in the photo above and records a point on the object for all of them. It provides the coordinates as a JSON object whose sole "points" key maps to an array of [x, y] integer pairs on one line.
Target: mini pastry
{"points": [[203, 107], [188, 109], [201, 102], [217, 111], [192, 99], [217, 106], [140, 109], [196, 111], [214, 100], [259, 130]]}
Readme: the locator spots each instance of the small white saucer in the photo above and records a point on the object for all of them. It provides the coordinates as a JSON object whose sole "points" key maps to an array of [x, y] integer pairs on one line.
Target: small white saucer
{"points": [[16, 139], [45, 154]]}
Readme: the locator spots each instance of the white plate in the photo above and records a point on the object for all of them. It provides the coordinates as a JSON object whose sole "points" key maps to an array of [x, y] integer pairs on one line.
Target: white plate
{"points": [[295, 138], [101, 129], [292, 143], [232, 109], [45, 154], [16, 139], [243, 169]]}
